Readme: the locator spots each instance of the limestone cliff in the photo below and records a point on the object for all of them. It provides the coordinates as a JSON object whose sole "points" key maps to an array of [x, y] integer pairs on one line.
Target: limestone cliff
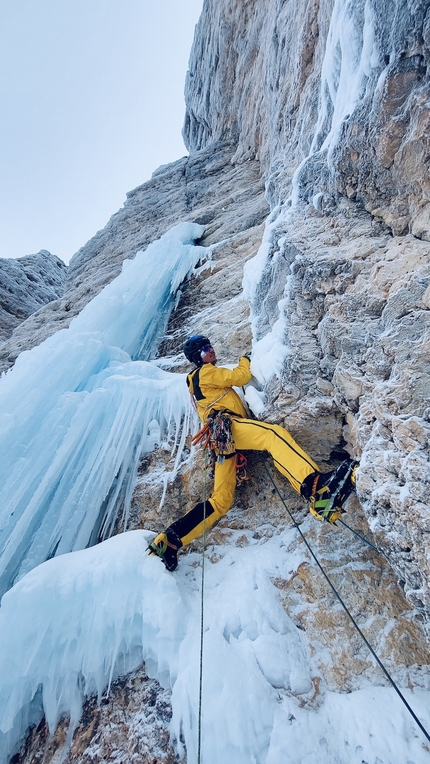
{"points": [[325, 102], [204, 187], [333, 98], [25, 285]]}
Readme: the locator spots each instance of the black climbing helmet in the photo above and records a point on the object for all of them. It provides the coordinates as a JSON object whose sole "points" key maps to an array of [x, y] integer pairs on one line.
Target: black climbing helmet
{"points": [[193, 346]]}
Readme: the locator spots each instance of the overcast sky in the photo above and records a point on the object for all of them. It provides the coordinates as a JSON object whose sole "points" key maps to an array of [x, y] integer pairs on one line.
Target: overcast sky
{"points": [[91, 104]]}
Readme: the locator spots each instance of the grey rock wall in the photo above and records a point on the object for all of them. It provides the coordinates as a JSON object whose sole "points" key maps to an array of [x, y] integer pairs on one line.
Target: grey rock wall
{"points": [[27, 283], [342, 87], [134, 719], [267, 86], [357, 375], [333, 98]]}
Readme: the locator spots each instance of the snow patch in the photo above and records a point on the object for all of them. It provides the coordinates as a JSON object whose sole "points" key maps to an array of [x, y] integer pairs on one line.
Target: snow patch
{"points": [[73, 624]]}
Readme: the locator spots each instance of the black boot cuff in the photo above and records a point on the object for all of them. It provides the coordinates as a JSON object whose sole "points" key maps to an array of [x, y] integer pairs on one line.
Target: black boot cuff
{"points": [[306, 488]]}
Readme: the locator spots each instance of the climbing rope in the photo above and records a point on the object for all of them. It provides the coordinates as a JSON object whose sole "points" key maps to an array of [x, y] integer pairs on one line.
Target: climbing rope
{"points": [[366, 541], [355, 624], [202, 612]]}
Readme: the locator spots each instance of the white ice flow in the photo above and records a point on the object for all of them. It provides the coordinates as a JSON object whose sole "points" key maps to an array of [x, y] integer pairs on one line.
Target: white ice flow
{"points": [[75, 622], [77, 413], [351, 58]]}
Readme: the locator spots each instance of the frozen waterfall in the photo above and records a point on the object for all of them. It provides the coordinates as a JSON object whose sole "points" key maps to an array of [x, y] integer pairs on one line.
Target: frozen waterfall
{"points": [[77, 412], [352, 57]]}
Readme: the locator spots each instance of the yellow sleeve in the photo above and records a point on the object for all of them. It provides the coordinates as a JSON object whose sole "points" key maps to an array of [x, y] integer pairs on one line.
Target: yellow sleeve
{"points": [[222, 377]]}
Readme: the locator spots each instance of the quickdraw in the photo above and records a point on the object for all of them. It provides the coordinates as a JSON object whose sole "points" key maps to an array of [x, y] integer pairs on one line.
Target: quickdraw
{"points": [[241, 467]]}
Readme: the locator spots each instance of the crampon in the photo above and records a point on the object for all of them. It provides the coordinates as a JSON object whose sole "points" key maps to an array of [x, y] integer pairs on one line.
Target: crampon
{"points": [[166, 546], [331, 490]]}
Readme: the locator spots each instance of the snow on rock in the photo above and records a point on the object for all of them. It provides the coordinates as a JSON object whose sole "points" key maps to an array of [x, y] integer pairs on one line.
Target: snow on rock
{"points": [[331, 97], [362, 726], [344, 355], [27, 283], [77, 413], [76, 622]]}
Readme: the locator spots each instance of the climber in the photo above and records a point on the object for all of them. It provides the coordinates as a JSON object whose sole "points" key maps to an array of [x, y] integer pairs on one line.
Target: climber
{"points": [[227, 430]]}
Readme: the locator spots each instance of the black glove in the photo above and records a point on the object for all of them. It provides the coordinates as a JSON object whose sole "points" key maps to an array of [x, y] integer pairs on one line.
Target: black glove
{"points": [[247, 356]]}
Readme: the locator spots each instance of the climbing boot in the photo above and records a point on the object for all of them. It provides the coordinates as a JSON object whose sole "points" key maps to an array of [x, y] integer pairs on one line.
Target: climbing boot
{"points": [[329, 491], [166, 546]]}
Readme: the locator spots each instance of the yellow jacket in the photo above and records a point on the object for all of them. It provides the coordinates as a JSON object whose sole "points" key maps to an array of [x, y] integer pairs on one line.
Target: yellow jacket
{"points": [[212, 388]]}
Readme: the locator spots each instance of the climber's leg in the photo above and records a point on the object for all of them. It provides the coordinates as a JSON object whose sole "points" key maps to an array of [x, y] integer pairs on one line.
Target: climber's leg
{"points": [[291, 460], [200, 517]]}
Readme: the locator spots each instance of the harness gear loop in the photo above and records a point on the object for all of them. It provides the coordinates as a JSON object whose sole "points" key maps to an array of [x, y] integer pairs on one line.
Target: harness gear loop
{"points": [[241, 467], [203, 434]]}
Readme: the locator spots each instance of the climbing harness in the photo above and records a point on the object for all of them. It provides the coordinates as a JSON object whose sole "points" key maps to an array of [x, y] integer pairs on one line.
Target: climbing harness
{"points": [[216, 438], [354, 623], [241, 467]]}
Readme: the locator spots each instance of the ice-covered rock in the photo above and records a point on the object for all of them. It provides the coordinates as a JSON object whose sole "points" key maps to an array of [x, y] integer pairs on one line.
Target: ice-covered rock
{"points": [[333, 98], [26, 284], [72, 625], [326, 102], [79, 411]]}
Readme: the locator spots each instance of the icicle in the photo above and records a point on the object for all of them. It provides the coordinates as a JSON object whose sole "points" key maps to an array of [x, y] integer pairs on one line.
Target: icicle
{"points": [[75, 411]]}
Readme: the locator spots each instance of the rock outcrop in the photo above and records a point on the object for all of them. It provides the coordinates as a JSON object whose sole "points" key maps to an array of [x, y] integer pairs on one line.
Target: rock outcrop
{"points": [[133, 720], [333, 98], [356, 377], [26, 284]]}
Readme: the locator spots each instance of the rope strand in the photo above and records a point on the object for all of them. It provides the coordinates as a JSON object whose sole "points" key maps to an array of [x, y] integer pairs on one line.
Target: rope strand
{"points": [[366, 541], [355, 624], [199, 741]]}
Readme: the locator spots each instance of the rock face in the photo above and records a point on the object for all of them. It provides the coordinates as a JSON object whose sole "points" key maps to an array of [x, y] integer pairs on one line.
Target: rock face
{"points": [[131, 725], [357, 377], [26, 284], [332, 97], [327, 103]]}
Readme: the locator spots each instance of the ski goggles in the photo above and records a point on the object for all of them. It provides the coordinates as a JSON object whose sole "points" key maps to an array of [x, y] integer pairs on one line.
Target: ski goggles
{"points": [[205, 349]]}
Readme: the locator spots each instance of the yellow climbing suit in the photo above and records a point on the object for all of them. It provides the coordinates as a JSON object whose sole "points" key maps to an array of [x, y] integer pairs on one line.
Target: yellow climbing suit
{"points": [[211, 388]]}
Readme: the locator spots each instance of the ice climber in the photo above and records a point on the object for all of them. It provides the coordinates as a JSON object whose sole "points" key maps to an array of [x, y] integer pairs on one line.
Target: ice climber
{"points": [[227, 430]]}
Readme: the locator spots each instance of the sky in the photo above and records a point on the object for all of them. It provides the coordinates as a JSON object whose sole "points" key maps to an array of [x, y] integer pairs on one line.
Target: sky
{"points": [[91, 104]]}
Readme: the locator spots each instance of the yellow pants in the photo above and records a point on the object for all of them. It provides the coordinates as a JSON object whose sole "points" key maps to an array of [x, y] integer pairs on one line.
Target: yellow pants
{"points": [[249, 435]]}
